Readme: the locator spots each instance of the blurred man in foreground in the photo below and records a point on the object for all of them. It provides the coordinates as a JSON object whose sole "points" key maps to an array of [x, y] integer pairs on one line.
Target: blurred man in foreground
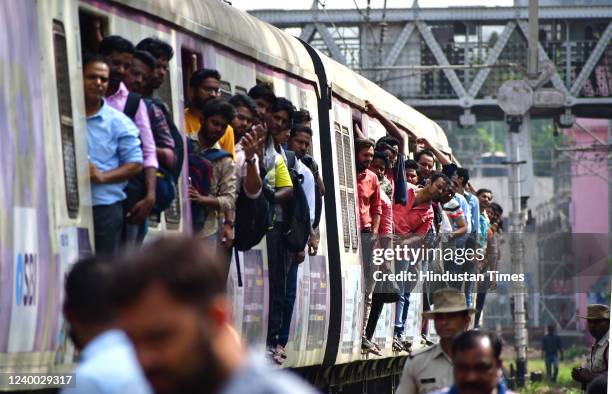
{"points": [[107, 362], [477, 365], [174, 307]]}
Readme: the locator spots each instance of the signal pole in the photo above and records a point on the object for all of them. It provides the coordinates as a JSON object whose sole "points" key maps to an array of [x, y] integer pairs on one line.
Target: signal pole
{"points": [[515, 97]]}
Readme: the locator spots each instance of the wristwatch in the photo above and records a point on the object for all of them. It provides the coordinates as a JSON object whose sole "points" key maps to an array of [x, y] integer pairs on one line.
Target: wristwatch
{"points": [[229, 223], [251, 160]]}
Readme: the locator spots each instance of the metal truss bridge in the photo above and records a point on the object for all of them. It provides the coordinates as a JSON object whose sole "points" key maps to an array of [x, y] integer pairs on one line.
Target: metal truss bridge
{"points": [[450, 62]]}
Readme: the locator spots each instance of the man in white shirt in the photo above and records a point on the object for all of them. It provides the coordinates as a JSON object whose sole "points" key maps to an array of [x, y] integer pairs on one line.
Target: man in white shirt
{"points": [[299, 141]]}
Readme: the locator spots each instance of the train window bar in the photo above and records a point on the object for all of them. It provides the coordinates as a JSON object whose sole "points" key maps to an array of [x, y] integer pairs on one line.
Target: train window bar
{"points": [[64, 103], [190, 62]]}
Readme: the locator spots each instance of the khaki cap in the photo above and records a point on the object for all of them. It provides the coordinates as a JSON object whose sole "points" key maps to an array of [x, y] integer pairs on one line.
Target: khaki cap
{"points": [[448, 301], [596, 312]]}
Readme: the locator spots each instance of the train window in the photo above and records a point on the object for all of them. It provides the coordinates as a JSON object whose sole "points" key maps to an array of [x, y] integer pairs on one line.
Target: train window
{"points": [[94, 27], [342, 175], [348, 162], [225, 92], [190, 62], [64, 102]]}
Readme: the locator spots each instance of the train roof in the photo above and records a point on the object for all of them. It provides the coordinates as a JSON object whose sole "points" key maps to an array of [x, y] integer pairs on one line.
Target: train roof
{"points": [[235, 29], [242, 32]]}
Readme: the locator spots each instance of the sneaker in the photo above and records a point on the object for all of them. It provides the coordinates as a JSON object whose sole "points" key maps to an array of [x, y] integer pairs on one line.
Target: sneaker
{"points": [[368, 347], [407, 345], [397, 344], [278, 359], [426, 341], [280, 350]]}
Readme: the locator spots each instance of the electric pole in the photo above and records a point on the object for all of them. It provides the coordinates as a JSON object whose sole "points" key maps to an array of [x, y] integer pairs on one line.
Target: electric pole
{"points": [[516, 99]]}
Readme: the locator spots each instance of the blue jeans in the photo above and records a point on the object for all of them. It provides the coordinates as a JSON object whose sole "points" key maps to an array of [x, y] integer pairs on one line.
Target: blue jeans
{"points": [[290, 293], [403, 304], [134, 234], [277, 273], [552, 367]]}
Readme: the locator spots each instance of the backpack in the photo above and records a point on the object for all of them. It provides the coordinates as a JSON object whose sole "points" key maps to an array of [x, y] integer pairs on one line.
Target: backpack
{"points": [[254, 217], [177, 136], [165, 186], [200, 176], [296, 214]]}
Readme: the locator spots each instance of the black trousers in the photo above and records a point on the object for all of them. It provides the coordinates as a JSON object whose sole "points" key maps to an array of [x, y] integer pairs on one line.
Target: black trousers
{"points": [[278, 259], [108, 223]]}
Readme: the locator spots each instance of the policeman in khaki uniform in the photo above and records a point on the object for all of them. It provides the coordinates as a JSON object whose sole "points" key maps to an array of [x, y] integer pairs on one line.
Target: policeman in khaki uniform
{"points": [[598, 323], [431, 369]]}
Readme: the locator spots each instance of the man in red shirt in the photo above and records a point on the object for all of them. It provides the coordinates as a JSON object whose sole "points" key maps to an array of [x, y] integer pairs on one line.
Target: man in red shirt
{"points": [[367, 188], [368, 193], [411, 223], [416, 217]]}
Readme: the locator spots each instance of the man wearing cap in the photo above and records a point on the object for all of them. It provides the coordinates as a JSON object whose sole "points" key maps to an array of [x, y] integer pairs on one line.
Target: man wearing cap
{"points": [[598, 323], [432, 369]]}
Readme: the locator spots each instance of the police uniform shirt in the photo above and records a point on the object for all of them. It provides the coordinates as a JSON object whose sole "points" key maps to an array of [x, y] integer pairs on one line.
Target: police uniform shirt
{"points": [[597, 362], [428, 370]]}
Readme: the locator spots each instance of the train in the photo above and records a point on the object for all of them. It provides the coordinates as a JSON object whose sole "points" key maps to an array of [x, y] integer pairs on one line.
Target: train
{"points": [[45, 200]]}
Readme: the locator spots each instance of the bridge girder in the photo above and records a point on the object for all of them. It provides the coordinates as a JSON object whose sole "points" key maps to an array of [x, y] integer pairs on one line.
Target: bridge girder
{"points": [[583, 65]]}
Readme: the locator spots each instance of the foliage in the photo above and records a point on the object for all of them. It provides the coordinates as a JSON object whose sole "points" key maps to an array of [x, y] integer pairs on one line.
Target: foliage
{"points": [[565, 383], [470, 143]]}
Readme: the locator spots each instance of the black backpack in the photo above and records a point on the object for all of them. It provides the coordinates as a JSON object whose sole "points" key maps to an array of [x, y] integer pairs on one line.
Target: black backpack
{"points": [[296, 214], [200, 177], [254, 217], [166, 188]]}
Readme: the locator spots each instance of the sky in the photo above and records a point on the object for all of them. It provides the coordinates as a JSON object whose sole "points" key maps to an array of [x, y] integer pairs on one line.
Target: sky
{"points": [[330, 4]]}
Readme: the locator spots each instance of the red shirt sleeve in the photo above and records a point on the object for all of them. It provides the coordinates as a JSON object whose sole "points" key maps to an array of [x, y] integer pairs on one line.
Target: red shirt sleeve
{"points": [[375, 204]]}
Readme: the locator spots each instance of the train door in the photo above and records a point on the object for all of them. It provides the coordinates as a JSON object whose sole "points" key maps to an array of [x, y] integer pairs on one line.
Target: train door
{"points": [[349, 245], [383, 335], [97, 21]]}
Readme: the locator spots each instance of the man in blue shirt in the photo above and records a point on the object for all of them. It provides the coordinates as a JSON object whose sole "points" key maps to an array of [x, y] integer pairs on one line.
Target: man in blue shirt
{"points": [[463, 176], [107, 362], [472, 216], [115, 155]]}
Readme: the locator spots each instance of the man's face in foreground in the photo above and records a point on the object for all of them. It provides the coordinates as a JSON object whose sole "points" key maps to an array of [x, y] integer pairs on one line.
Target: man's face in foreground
{"points": [[476, 370], [172, 340]]}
